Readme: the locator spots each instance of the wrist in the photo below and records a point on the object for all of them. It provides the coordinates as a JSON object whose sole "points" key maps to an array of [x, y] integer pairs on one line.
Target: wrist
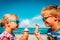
{"points": [[39, 38]]}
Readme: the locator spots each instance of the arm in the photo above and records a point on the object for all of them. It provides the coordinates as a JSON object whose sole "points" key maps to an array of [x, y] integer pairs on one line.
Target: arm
{"points": [[37, 34], [5, 39], [25, 36], [49, 37]]}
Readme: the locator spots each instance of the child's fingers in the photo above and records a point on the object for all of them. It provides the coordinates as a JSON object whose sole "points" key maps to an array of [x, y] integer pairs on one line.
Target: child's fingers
{"points": [[37, 35]]}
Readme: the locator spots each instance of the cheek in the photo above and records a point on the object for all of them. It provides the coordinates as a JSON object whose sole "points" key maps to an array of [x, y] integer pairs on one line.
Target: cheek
{"points": [[14, 25], [50, 21], [47, 24]]}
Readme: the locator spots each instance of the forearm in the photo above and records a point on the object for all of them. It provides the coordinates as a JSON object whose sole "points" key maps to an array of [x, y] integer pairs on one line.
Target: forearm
{"points": [[40, 39], [24, 37]]}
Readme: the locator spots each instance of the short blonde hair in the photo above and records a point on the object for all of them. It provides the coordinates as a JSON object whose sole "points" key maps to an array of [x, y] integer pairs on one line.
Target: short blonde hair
{"points": [[6, 18], [52, 8]]}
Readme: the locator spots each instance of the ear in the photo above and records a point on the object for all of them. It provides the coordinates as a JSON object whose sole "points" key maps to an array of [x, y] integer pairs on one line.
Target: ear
{"points": [[56, 17], [7, 22]]}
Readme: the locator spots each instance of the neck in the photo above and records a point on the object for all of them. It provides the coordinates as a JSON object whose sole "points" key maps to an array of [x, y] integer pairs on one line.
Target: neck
{"points": [[8, 30], [55, 27]]}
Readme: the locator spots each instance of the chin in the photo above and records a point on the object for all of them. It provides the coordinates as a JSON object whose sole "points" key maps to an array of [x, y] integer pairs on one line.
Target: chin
{"points": [[15, 28], [47, 25]]}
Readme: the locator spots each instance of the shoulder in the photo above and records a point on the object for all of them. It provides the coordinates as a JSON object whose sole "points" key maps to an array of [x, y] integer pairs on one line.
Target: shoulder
{"points": [[49, 30], [4, 38], [4, 35]]}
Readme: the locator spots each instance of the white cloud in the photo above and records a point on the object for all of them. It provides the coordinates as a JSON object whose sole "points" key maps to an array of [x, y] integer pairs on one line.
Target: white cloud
{"points": [[25, 22], [32, 22], [37, 17]]}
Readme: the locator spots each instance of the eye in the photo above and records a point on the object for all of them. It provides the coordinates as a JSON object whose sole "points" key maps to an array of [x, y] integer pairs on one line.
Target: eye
{"points": [[55, 20], [44, 18], [17, 22]]}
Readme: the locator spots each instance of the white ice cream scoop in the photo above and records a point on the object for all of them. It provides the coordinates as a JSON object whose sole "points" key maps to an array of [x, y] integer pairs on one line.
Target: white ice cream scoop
{"points": [[37, 24], [26, 29]]}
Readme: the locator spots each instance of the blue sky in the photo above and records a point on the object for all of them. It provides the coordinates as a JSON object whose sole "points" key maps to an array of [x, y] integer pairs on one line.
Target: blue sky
{"points": [[28, 11]]}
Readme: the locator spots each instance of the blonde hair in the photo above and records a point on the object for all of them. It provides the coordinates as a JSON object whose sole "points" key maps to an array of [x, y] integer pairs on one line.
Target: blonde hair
{"points": [[6, 18], [52, 8]]}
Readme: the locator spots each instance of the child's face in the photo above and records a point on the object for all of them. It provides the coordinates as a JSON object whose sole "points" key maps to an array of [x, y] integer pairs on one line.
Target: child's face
{"points": [[13, 22], [48, 19]]}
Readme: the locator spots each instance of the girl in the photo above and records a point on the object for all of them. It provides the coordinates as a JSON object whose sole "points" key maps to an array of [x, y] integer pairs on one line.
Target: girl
{"points": [[10, 22]]}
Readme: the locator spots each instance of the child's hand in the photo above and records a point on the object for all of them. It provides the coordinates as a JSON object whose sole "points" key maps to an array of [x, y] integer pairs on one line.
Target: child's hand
{"points": [[25, 35], [51, 38], [37, 34]]}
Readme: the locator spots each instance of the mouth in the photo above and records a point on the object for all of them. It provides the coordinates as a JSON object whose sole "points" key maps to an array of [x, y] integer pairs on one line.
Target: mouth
{"points": [[16, 28], [46, 22]]}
